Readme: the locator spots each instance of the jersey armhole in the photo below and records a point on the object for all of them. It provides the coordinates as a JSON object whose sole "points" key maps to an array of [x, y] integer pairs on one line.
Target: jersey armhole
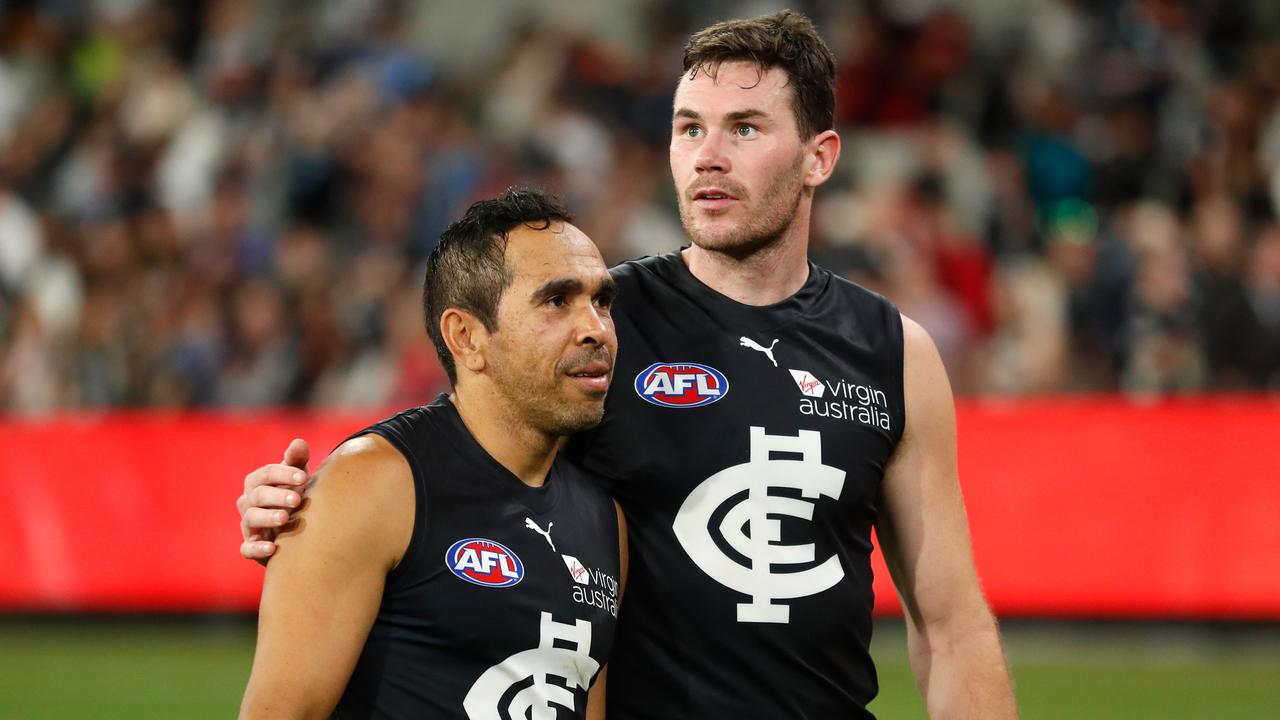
{"points": [[897, 352], [418, 536]]}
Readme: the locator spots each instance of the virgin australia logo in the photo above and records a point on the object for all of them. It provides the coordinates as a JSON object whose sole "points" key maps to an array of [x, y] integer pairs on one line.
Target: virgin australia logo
{"points": [[808, 384], [750, 525], [847, 401]]}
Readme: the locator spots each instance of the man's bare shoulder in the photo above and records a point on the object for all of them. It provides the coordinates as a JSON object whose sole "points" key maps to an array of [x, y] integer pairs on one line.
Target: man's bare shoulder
{"points": [[363, 491], [915, 339], [927, 390], [368, 453]]}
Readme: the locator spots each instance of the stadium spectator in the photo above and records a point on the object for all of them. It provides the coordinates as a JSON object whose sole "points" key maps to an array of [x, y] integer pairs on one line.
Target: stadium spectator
{"points": [[167, 170]]}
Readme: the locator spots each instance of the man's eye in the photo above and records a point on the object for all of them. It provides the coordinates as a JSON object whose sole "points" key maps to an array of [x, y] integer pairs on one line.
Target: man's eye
{"points": [[745, 130], [557, 301], [693, 131]]}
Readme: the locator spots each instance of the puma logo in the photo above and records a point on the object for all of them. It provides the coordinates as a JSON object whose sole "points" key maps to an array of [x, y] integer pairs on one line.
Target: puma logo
{"points": [[748, 342], [544, 533]]}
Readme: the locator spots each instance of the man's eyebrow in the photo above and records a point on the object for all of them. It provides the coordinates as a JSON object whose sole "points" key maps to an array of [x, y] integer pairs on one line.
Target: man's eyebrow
{"points": [[572, 286], [734, 116], [608, 288], [558, 286]]}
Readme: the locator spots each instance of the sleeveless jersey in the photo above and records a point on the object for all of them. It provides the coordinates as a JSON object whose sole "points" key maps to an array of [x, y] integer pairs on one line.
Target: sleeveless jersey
{"points": [[746, 446], [504, 604]]}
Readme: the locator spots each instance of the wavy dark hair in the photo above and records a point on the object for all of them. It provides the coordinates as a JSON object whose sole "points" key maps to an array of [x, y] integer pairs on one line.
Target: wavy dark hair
{"points": [[785, 40], [468, 269]]}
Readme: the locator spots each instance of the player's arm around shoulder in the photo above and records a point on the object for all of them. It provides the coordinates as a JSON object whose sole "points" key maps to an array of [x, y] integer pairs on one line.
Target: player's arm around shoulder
{"points": [[954, 643], [324, 584]]}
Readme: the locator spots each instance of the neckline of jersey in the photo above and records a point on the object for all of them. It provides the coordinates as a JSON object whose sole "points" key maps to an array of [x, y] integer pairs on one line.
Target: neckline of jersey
{"points": [[782, 311], [536, 499]]}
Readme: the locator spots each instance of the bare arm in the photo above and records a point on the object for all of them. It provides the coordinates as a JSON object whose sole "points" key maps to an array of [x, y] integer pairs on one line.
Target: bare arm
{"points": [[596, 697], [323, 588], [954, 644]]}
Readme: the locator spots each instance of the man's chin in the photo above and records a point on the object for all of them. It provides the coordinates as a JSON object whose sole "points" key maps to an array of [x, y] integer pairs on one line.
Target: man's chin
{"points": [[581, 419], [714, 235], [728, 241]]}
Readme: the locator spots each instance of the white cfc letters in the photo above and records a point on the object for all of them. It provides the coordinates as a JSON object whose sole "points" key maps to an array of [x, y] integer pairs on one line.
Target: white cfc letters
{"points": [[537, 701], [751, 527]]}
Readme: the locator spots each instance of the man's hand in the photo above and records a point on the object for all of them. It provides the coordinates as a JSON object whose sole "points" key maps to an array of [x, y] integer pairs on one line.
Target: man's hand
{"points": [[271, 494], [321, 594]]}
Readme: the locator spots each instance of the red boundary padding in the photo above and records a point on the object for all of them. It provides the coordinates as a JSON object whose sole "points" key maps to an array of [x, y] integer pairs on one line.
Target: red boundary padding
{"points": [[1079, 507], [1102, 507]]}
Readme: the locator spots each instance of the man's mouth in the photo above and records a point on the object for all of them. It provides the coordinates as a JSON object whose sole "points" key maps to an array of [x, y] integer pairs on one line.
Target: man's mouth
{"points": [[592, 376], [713, 198]]}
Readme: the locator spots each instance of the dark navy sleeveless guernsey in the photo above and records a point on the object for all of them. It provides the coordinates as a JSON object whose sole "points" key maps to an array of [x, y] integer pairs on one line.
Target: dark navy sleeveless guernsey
{"points": [[746, 446], [505, 602]]}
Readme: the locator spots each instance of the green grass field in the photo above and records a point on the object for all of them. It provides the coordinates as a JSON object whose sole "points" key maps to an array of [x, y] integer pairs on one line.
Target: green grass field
{"points": [[196, 668], [1115, 672]]}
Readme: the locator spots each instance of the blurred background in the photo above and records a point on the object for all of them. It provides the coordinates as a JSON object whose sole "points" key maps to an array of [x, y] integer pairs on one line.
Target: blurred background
{"points": [[217, 212]]}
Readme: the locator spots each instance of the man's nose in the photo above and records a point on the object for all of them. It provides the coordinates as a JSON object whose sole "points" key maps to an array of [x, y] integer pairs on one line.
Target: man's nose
{"points": [[711, 156], [594, 327]]}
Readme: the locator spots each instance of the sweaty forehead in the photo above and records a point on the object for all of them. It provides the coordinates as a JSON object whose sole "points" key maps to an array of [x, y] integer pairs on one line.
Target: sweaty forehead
{"points": [[559, 250]]}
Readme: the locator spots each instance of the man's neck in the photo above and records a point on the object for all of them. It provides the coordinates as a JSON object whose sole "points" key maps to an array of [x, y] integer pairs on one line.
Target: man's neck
{"points": [[525, 451], [771, 274]]}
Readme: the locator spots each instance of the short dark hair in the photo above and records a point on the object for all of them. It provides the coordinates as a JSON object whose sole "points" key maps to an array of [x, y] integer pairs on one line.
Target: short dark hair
{"points": [[785, 40], [468, 269]]}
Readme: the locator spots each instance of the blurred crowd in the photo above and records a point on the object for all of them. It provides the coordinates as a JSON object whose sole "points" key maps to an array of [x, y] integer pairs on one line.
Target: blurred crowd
{"points": [[228, 203]]}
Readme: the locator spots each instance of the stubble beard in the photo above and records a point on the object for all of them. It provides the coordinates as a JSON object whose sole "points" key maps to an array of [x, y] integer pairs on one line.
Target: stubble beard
{"points": [[542, 406], [762, 228]]}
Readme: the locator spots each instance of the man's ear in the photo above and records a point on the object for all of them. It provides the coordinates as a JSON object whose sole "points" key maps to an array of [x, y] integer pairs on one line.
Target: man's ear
{"points": [[467, 339], [824, 151]]}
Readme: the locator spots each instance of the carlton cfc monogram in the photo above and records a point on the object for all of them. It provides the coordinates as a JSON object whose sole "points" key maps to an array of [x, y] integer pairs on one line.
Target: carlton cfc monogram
{"points": [[748, 528], [528, 673]]}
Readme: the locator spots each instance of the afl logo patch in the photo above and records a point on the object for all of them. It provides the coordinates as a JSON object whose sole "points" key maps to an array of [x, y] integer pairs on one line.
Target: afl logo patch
{"points": [[484, 562], [681, 385]]}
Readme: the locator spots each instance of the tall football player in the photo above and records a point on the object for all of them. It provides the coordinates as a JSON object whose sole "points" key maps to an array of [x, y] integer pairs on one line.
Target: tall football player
{"points": [[770, 414]]}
